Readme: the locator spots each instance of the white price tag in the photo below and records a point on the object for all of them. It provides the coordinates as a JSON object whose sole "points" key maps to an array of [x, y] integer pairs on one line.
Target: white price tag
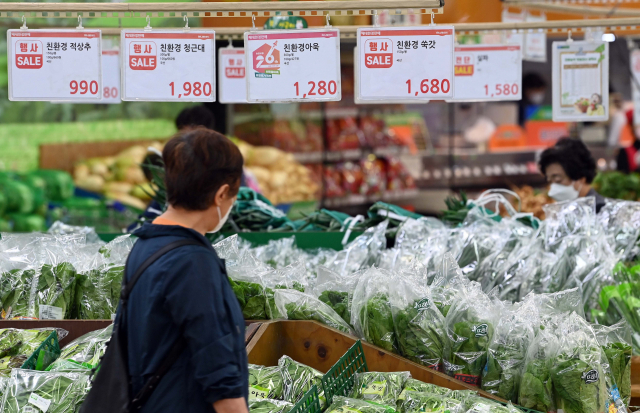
{"points": [[535, 41], [488, 73], [293, 65], [635, 85], [232, 83], [405, 64], [54, 65], [168, 65], [49, 312], [513, 36], [40, 402], [580, 81], [110, 76]]}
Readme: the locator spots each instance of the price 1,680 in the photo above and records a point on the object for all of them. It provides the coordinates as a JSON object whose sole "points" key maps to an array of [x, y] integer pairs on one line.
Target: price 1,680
{"points": [[502, 90], [320, 88], [195, 89], [433, 86]]}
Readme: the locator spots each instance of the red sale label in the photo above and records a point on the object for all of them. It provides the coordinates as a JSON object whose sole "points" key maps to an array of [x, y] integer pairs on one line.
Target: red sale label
{"points": [[378, 53], [143, 55], [464, 65], [30, 54], [232, 85]]}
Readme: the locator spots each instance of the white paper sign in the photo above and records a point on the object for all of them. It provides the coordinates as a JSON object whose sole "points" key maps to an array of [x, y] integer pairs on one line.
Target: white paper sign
{"points": [[405, 64], [293, 65], [164, 65], [635, 85], [513, 36], [580, 81], [61, 65], [535, 41], [40, 402], [488, 73], [49, 312], [232, 82], [111, 76]]}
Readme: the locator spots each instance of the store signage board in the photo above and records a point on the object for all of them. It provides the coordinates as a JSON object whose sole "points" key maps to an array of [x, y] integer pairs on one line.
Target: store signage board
{"points": [[293, 65], [488, 73], [635, 85], [54, 65], [111, 76], [580, 81], [412, 64], [232, 82], [168, 65]]}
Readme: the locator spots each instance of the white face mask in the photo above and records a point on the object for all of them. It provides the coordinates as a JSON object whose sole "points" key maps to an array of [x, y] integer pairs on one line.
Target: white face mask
{"points": [[563, 192], [536, 98], [223, 219]]}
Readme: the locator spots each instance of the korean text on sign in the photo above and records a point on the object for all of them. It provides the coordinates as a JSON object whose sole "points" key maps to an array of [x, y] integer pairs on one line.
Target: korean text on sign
{"points": [[232, 84], [168, 65], [54, 65], [405, 64], [293, 65]]}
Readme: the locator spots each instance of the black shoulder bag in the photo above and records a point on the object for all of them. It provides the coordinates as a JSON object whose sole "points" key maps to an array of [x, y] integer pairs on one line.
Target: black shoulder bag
{"points": [[110, 392]]}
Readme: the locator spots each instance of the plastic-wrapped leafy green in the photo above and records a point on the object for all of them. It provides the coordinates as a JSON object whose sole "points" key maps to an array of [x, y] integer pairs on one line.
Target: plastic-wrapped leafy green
{"points": [[417, 402], [336, 290], [289, 277], [616, 343], [347, 405], [84, 352], [99, 293], [55, 287], [298, 379], [487, 406], [536, 387], [15, 289], [269, 406], [295, 305], [265, 382], [338, 301], [53, 392], [245, 277], [383, 388], [468, 397], [16, 346], [418, 386]]}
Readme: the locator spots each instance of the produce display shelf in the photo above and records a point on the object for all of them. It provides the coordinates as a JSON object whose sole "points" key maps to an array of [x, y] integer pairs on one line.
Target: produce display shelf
{"points": [[635, 381]]}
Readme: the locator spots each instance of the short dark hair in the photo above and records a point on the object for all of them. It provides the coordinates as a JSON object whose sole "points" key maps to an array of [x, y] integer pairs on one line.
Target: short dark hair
{"points": [[574, 157], [194, 117], [197, 163]]}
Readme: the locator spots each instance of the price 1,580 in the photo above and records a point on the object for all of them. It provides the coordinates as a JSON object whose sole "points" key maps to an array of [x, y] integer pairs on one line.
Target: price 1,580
{"points": [[320, 88], [433, 86], [196, 89], [502, 90]]}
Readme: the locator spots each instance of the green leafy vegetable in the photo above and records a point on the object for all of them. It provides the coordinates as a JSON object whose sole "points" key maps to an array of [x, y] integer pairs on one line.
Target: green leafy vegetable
{"points": [[98, 293], [265, 382], [269, 406], [339, 301], [579, 384], [251, 298], [300, 306], [416, 402], [468, 355], [84, 352], [420, 332], [16, 346], [383, 388], [15, 290], [298, 379], [482, 405], [376, 320], [619, 358], [413, 385], [55, 287], [347, 405]]}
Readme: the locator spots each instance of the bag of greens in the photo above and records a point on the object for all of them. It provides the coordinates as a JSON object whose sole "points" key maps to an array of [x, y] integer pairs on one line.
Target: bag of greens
{"points": [[382, 388], [84, 352], [245, 277], [54, 286], [269, 406], [616, 344], [361, 253], [417, 402], [294, 305], [536, 388], [290, 277], [371, 314], [508, 350], [489, 406], [578, 369], [467, 397], [265, 382], [227, 249], [448, 283], [564, 219], [347, 405], [297, 379], [419, 325], [413, 385], [336, 290], [16, 346], [469, 326]]}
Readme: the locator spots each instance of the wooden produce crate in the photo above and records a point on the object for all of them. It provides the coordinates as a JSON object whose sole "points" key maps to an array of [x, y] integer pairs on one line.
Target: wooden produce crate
{"points": [[635, 381], [320, 347], [76, 328]]}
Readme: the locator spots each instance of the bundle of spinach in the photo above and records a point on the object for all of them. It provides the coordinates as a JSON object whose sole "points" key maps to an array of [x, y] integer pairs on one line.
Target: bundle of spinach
{"points": [[265, 382], [417, 402], [251, 298], [15, 291], [376, 319], [616, 344], [536, 387], [300, 306], [98, 293], [339, 302], [299, 379], [347, 405], [413, 385], [55, 286], [482, 405], [383, 388], [269, 406], [467, 397], [84, 352]]}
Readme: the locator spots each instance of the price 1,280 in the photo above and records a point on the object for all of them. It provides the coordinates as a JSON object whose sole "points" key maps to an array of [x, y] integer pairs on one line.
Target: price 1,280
{"points": [[431, 86], [502, 90], [83, 87], [196, 89], [320, 88]]}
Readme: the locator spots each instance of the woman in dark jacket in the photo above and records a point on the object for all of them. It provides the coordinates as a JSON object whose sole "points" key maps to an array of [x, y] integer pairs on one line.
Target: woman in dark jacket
{"points": [[186, 292]]}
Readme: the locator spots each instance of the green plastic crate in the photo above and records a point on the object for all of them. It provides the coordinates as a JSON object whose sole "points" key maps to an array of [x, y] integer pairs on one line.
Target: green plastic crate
{"points": [[310, 403], [45, 354], [339, 379]]}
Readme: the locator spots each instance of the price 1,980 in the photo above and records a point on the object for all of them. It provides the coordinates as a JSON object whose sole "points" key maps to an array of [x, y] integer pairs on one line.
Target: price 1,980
{"points": [[320, 88], [83, 87], [195, 89], [432, 86], [502, 90]]}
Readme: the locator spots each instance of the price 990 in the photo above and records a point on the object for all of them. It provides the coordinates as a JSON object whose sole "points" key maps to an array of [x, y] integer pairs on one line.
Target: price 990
{"points": [[83, 87]]}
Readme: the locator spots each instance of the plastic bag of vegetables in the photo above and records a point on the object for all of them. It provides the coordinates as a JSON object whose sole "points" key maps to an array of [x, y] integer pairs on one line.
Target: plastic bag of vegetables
{"points": [[265, 382], [488, 406], [362, 252], [568, 218], [616, 344], [382, 388], [621, 223], [17, 346], [290, 277], [15, 292], [227, 249], [299, 379], [348, 405], [245, 276], [99, 293], [417, 402], [536, 387], [83, 353], [336, 290], [54, 286], [269, 406], [51, 392], [295, 305], [413, 385]]}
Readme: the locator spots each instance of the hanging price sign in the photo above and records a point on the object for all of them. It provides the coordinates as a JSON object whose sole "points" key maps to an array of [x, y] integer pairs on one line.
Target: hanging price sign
{"points": [[293, 65], [54, 65], [488, 73], [232, 82], [110, 76], [405, 64], [168, 65]]}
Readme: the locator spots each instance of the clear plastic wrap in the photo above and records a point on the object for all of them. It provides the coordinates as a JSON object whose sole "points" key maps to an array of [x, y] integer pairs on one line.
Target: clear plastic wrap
{"points": [[536, 387], [419, 386], [269, 406], [16, 346], [381, 388], [277, 253], [569, 218], [117, 250], [295, 305], [553, 306], [245, 277], [363, 252], [448, 283], [489, 406], [227, 249], [417, 402], [348, 405], [616, 344], [336, 290], [290, 277], [30, 391], [60, 228], [83, 353], [621, 223], [265, 382], [299, 379], [98, 293]]}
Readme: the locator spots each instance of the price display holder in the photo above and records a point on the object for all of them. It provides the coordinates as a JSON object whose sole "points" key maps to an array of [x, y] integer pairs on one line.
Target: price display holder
{"points": [[168, 65], [580, 81], [488, 73], [111, 76], [54, 65], [293, 65], [232, 82], [635, 85], [405, 64]]}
